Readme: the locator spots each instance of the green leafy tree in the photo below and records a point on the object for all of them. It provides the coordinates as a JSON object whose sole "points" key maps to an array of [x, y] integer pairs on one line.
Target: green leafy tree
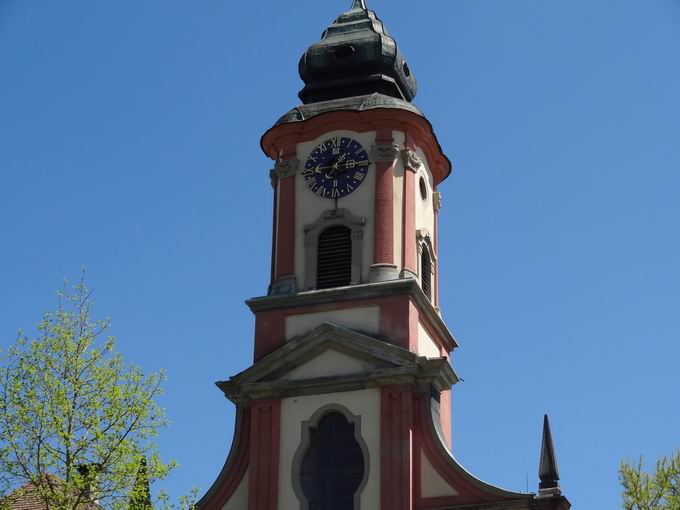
{"points": [[659, 490], [75, 419], [140, 497]]}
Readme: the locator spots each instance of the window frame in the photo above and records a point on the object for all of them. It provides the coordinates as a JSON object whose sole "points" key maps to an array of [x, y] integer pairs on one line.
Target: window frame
{"points": [[424, 242], [331, 218], [313, 423]]}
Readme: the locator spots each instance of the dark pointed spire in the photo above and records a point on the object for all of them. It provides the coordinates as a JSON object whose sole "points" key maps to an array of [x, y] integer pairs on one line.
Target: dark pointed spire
{"points": [[359, 5], [547, 471]]}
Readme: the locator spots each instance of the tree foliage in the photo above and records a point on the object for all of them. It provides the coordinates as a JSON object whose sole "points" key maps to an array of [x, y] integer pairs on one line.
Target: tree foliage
{"points": [[140, 496], [659, 490], [75, 419]]}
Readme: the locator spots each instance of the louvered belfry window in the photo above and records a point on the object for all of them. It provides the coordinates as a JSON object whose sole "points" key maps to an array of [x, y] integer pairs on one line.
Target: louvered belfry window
{"points": [[333, 467], [334, 258], [426, 271]]}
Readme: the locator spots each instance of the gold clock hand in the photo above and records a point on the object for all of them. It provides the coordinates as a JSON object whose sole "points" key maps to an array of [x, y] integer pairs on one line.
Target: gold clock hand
{"points": [[356, 165]]}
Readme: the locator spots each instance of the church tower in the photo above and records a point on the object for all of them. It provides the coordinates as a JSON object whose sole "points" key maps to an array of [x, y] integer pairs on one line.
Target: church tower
{"points": [[347, 405]]}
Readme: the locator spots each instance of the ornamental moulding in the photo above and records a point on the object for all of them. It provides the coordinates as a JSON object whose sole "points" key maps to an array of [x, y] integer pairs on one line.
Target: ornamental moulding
{"points": [[437, 200], [411, 159], [286, 167], [384, 152]]}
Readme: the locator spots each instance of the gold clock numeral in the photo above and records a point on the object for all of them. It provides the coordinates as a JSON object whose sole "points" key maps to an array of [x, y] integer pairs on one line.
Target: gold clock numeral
{"points": [[358, 176]]}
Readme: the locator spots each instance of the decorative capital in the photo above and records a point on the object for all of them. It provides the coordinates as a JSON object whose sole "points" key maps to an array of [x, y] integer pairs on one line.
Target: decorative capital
{"points": [[437, 200], [411, 159], [286, 167], [384, 152], [273, 178]]}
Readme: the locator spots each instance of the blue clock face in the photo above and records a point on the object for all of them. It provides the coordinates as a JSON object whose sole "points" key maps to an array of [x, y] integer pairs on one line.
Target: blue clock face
{"points": [[336, 167]]}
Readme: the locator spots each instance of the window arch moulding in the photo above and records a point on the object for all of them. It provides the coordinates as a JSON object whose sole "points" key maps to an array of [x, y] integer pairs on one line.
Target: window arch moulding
{"points": [[424, 242], [313, 424]]}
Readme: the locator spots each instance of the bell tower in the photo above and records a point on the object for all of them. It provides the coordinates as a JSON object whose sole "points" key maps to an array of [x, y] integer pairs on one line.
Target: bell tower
{"points": [[347, 405]]}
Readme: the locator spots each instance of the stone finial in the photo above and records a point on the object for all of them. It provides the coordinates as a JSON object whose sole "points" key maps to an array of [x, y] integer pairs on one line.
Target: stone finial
{"points": [[547, 471], [358, 5]]}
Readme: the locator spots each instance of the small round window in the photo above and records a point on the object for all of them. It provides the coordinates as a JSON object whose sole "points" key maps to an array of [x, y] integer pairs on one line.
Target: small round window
{"points": [[423, 188]]}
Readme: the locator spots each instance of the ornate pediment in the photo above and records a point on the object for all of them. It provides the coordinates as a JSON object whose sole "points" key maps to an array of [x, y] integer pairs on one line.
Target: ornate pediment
{"points": [[329, 359]]}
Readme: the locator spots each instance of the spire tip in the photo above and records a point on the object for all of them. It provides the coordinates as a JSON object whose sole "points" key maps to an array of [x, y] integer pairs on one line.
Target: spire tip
{"points": [[358, 5], [547, 471]]}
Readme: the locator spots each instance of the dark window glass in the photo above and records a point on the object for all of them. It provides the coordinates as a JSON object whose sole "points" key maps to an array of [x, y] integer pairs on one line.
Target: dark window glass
{"points": [[334, 259], [426, 271], [333, 467]]}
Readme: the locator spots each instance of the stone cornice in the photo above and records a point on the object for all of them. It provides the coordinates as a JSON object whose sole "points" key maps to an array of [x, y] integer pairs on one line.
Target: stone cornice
{"points": [[436, 372], [366, 291]]}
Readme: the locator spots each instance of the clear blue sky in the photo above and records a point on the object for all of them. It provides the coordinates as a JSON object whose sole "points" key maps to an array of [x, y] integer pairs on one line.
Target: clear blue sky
{"points": [[129, 135]]}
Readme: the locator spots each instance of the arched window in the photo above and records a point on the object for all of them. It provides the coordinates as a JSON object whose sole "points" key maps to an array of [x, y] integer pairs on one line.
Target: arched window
{"points": [[333, 250], [334, 258], [332, 469], [426, 271]]}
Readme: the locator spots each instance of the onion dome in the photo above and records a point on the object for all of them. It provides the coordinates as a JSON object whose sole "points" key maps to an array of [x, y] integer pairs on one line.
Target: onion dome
{"points": [[355, 56]]}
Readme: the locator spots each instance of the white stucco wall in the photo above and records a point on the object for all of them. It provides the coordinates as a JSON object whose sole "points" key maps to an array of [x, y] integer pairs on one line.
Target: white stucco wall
{"points": [[309, 207], [362, 319], [296, 410], [424, 208], [239, 500], [432, 485], [426, 345]]}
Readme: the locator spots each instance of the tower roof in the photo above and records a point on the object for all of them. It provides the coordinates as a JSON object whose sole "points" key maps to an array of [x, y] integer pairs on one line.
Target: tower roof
{"points": [[355, 56]]}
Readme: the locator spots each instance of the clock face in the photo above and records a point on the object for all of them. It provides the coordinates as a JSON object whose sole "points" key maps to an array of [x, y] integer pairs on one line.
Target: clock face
{"points": [[336, 167]]}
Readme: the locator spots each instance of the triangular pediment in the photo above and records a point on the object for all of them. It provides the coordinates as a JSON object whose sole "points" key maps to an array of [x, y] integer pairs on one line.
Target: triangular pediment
{"points": [[332, 358], [330, 362]]}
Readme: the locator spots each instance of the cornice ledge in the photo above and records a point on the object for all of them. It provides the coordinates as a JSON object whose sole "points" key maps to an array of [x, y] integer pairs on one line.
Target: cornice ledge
{"points": [[424, 372], [357, 292], [364, 291]]}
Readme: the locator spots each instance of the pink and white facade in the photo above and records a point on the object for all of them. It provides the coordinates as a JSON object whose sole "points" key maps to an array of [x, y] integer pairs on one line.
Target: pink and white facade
{"points": [[373, 353]]}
